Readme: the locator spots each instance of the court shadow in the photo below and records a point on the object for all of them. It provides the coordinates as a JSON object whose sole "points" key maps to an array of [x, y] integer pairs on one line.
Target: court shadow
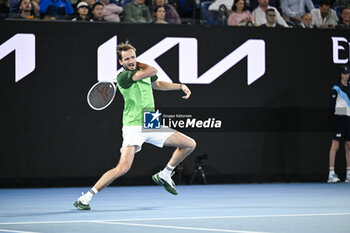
{"points": [[126, 209]]}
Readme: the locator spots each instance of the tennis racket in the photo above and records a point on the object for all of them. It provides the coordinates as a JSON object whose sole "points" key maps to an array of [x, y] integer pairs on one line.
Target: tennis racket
{"points": [[101, 95]]}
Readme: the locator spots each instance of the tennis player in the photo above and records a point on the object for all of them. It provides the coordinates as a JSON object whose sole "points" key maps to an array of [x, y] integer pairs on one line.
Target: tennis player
{"points": [[135, 83]]}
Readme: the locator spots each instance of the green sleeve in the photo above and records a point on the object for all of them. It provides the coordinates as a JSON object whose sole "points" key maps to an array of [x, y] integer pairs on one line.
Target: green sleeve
{"points": [[124, 78], [154, 78]]}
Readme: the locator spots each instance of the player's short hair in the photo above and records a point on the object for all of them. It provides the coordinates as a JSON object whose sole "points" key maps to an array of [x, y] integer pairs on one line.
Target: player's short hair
{"points": [[124, 47]]}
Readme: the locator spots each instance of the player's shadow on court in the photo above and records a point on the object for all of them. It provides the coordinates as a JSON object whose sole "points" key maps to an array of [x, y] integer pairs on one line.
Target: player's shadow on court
{"points": [[73, 210]]}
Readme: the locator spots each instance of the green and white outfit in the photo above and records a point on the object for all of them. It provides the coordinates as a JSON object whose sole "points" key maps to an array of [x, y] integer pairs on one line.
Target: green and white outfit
{"points": [[138, 97]]}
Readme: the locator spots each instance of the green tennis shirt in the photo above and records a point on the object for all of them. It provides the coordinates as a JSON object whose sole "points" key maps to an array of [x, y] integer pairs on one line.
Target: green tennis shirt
{"points": [[138, 96]]}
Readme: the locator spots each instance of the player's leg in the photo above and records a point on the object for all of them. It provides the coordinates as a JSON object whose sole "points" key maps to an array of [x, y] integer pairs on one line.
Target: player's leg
{"points": [[347, 149], [184, 146], [339, 132], [347, 156], [333, 152], [124, 165], [332, 177]]}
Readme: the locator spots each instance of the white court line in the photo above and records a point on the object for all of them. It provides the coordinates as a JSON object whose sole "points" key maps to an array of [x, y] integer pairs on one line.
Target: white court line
{"points": [[178, 227], [178, 218], [3, 230], [223, 217]]}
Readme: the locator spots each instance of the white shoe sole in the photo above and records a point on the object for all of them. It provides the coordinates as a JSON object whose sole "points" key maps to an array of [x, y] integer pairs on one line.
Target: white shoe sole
{"points": [[332, 181]]}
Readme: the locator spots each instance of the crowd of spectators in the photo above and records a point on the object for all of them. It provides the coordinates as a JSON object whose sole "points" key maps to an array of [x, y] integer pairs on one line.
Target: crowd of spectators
{"points": [[258, 13], [285, 13]]}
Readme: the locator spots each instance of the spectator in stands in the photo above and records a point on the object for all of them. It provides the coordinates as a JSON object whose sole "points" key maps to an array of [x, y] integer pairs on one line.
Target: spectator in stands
{"points": [[74, 3], [97, 12], [260, 15], [343, 3], [4, 8], [271, 20], [25, 10], [137, 12], [254, 4], [344, 23], [215, 6], [159, 15], [55, 9], [324, 17], [90, 3], [306, 21], [171, 15], [294, 10], [83, 12], [240, 16], [111, 11], [14, 8]]}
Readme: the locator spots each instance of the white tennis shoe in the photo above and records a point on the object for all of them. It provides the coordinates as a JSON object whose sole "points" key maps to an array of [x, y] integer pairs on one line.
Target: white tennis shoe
{"points": [[347, 180], [166, 182], [82, 203], [333, 178]]}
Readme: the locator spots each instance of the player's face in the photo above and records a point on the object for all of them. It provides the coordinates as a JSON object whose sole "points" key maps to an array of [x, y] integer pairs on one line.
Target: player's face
{"points": [[345, 77], [128, 60]]}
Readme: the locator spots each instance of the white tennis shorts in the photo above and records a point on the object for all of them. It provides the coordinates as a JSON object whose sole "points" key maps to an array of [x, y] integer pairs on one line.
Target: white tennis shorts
{"points": [[136, 136]]}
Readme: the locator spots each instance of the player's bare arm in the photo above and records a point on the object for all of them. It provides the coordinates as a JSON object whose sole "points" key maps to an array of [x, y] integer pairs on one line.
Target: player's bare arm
{"points": [[129, 62], [144, 72], [165, 86]]}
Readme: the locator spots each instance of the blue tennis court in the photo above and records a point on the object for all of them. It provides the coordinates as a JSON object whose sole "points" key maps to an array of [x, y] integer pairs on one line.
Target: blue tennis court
{"points": [[248, 208]]}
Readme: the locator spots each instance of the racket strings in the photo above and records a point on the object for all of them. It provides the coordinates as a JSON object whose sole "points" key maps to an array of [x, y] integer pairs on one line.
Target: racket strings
{"points": [[101, 95]]}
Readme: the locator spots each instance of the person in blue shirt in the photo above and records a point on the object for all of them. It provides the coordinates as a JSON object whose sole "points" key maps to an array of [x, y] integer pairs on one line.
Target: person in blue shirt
{"points": [[55, 9]]}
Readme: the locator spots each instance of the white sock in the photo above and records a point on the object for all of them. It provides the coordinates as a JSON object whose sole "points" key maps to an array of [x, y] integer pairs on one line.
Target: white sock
{"points": [[348, 171], [331, 171], [167, 170], [90, 194]]}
